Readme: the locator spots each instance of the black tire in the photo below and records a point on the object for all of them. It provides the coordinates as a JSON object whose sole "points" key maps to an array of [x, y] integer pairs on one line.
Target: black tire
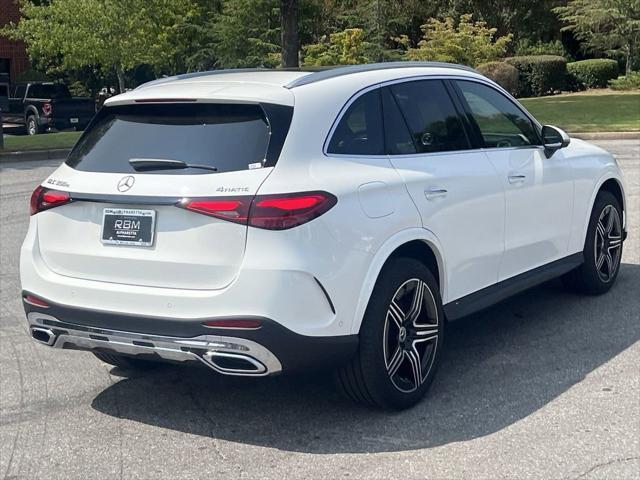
{"points": [[593, 277], [367, 378], [33, 127], [126, 363]]}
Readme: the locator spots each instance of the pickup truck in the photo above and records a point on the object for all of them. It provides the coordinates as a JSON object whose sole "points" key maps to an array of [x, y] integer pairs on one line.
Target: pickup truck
{"points": [[42, 106]]}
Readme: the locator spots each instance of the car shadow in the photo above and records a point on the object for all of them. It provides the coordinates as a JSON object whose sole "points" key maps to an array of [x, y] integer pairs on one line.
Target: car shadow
{"points": [[500, 366]]}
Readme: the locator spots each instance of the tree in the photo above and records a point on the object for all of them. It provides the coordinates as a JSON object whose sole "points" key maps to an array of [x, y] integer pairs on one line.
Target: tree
{"points": [[247, 33], [289, 33], [111, 34], [343, 48], [468, 43], [611, 26]]}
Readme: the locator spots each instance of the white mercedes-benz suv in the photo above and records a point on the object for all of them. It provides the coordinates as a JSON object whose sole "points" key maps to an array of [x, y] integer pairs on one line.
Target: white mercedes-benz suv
{"points": [[259, 222]]}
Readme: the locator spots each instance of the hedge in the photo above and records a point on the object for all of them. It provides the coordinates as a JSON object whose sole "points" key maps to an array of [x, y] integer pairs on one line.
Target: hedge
{"points": [[539, 74], [631, 81], [502, 73], [594, 73]]}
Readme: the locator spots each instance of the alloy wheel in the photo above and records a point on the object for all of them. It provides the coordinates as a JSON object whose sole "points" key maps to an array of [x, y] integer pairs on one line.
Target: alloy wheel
{"points": [[410, 337], [608, 243]]}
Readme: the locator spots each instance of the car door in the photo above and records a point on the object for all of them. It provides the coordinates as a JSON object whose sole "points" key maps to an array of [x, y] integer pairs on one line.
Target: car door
{"points": [[455, 188], [16, 109], [538, 190]]}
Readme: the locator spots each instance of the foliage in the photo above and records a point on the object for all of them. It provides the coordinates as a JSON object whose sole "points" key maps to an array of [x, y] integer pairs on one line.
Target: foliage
{"points": [[247, 34], [111, 34], [525, 47], [539, 74], [631, 81], [502, 73], [607, 26], [594, 73], [467, 43], [343, 48]]}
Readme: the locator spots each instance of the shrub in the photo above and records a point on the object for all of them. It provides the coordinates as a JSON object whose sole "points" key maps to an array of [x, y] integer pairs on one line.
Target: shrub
{"points": [[467, 42], [539, 74], [525, 47], [342, 48], [502, 73], [627, 82], [594, 73]]}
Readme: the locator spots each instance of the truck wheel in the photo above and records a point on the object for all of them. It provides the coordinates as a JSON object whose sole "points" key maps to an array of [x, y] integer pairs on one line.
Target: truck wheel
{"points": [[33, 128]]}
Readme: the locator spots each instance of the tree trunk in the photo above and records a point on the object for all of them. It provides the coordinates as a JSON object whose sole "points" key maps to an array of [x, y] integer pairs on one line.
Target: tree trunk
{"points": [[289, 32], [120, 75], [630, 58]]}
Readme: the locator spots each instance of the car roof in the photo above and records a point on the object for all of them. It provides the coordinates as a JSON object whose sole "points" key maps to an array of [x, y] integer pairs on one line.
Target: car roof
{"points": [[273, 85]]}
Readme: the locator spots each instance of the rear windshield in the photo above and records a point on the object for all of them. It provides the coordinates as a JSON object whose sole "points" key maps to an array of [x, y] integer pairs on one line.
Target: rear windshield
{"points": [[48, 91], [229, 137]]}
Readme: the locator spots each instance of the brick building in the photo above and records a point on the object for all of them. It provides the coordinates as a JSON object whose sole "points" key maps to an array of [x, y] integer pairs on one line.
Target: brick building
{"points": [[13, 55]]}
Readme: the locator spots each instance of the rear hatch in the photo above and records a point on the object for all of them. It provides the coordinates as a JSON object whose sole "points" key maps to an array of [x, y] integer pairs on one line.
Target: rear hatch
{"points": [[126, 226]]}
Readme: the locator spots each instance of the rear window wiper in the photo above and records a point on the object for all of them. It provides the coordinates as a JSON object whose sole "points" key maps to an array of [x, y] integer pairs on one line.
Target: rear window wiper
{"points": [[144, 164]]}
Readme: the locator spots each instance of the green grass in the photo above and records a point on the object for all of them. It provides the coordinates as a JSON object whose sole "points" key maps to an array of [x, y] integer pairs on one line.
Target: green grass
{"points": [[44, 141], [591, 111]]}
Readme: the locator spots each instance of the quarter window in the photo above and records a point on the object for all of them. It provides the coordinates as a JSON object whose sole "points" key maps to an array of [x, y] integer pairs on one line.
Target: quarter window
{"points": [[360, 129], [501, 123], [429, 114]]}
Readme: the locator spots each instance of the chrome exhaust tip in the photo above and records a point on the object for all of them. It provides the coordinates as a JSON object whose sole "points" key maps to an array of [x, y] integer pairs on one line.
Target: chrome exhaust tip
{"points": [[233, 363], [43, 335]]}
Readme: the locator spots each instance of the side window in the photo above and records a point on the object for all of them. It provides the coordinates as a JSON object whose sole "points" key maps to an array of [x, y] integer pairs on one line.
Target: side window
{"points": [[397, 136], [430, 116], [19, 91], [501, 123], [360, 129]]}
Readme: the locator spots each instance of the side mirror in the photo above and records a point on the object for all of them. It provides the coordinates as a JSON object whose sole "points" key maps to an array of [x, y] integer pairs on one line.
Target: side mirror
{"points": [[553, 138]]}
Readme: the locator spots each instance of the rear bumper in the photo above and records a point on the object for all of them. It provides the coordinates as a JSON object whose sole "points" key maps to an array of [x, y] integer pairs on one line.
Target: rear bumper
{"points": [[64, 123], [267, 350]]}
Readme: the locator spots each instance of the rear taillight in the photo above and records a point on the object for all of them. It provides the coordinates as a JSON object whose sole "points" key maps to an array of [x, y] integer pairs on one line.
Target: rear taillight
{"points": [[46, 109], [44, 198], [33, 300], [272, 212]]}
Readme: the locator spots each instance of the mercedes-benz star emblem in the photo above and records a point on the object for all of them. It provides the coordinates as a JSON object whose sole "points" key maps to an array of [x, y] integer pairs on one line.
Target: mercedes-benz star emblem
{"points": [[126, 183]]}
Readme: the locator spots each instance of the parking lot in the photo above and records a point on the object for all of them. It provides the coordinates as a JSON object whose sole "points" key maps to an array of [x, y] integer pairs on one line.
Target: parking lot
{"points": [[543, 385]]}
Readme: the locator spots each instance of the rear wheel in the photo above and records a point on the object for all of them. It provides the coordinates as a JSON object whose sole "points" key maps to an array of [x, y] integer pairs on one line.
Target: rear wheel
{"points": [[126, 363], [602, 249], [32, 125], [400, 339]]}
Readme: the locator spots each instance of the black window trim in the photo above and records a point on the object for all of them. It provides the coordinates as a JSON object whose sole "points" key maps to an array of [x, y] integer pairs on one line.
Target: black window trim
{"points": [[446, 79]]}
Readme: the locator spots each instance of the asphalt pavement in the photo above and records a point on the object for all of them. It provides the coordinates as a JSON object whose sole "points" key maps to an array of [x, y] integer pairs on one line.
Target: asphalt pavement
{"points": [[543, 385]]}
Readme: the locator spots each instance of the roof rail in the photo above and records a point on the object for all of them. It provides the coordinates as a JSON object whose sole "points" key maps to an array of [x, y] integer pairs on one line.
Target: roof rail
{"points": [[186, 76], [369, 67]]}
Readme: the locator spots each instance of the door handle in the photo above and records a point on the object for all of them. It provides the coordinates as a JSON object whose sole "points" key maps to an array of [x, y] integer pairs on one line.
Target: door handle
{"points": [[432, 193], [517, 178]]}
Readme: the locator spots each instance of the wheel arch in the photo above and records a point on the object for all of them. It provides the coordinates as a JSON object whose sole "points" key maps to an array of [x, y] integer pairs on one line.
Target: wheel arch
{"points": [[417, 243], [29, 111], [614, 185]]}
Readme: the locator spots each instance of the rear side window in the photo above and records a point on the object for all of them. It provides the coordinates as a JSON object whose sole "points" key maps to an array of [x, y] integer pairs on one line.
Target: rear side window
{"points": [[230, 137], [430, 115], [359, 131], [48, 90], [501, 123]]}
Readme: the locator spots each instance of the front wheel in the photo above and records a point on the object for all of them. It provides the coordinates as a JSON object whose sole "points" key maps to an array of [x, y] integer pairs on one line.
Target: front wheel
{"points": [[400, 339], [602, 248]]}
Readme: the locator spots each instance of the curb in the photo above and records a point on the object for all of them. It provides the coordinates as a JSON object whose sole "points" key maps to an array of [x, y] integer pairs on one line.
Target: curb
{"points": [[606, 135], [28, 155]]}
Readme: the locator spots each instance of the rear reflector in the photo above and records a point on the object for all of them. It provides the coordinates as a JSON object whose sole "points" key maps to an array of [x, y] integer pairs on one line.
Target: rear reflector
{"points": [[244, 323], [271, 212], [38, 302], [44, 198]]}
